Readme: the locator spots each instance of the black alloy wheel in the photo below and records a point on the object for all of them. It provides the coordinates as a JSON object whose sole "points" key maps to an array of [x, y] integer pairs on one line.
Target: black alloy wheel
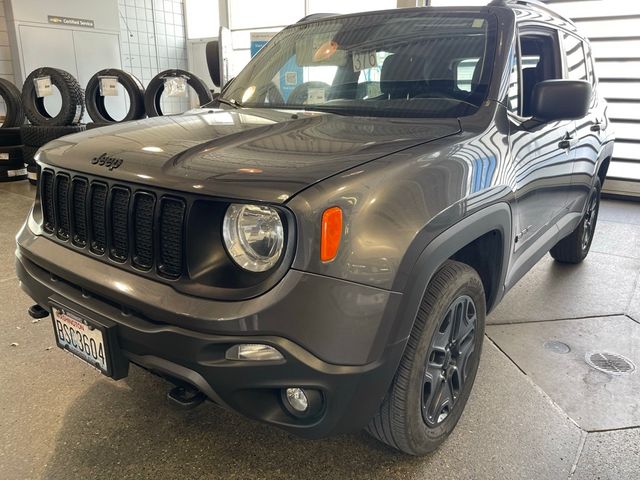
{"points": [[590, 220], [446, 371], [438, 367], [575, 247]]}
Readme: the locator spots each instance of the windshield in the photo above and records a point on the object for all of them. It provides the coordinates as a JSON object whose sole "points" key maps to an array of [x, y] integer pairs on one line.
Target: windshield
{"points": [[404, 64]]}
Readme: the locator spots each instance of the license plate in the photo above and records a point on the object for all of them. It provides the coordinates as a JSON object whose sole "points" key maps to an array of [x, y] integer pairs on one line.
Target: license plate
{"points": [[81, 337]]}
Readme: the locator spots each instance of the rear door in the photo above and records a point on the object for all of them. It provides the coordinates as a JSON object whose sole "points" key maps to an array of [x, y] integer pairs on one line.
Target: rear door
{"points": [[542, 155], [590, 128]]}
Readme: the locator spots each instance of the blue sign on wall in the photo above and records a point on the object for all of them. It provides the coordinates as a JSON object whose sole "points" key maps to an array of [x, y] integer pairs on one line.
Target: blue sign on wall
{"points": [[290, 74]]}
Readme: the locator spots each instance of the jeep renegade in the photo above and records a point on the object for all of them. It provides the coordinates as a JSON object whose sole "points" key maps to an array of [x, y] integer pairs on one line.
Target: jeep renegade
{"points": [[319, 247]]}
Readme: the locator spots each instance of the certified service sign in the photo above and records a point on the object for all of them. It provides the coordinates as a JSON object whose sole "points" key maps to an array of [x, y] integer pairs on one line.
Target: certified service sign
{"points": [[73, 22]]}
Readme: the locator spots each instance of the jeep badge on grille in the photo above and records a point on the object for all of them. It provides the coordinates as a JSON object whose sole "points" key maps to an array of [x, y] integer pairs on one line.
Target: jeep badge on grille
{"points": [[108, 161]]}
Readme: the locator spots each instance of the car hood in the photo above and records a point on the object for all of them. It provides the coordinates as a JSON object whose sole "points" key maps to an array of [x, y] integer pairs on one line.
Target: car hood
{"points": [[252, 154]]}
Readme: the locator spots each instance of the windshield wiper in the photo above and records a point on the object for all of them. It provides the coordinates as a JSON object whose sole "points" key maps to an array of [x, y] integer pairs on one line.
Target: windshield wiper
{"points": [[231, 103]]}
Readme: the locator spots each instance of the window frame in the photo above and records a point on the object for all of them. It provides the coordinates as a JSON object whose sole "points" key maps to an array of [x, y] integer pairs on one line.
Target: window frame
{"points": [[518, 54], [565, 74]]}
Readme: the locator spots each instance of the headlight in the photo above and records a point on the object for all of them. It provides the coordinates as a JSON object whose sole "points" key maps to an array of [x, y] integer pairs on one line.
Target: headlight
{"points": [[253, 235]]}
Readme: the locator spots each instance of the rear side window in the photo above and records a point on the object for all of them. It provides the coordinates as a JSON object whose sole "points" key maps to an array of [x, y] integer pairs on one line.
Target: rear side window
{"points": [[576, 63]]}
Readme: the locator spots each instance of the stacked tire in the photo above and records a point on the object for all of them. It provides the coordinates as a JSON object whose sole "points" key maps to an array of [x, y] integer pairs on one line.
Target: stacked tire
{"points": [[11, 157], [43, 126]]}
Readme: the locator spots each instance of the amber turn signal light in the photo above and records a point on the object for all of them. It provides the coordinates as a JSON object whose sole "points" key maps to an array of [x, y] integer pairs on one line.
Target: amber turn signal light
{"points": [[331, 233]]}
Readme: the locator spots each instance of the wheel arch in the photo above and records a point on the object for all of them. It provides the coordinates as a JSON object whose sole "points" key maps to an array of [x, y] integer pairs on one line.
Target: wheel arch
{"points": [[489, 227], [603, 169]]}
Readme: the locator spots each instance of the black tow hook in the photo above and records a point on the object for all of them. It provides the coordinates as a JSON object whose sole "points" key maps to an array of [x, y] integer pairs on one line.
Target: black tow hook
{"points": [[36, 311], [186, 397]]}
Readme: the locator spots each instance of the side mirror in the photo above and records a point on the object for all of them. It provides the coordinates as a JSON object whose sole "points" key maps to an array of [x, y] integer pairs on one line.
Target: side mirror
{"points": [[560, 100], [212, 52]]}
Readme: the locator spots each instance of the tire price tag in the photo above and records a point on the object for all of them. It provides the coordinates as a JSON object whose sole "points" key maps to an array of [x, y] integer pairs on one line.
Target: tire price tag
{"points": [[43, 86], [17, 173], [175, 87], [364, 60], [315, 96], [109, 86]]}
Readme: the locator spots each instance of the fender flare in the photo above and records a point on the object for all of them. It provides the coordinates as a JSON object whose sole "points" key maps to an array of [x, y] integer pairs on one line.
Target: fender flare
{"points": [[496, 217]]}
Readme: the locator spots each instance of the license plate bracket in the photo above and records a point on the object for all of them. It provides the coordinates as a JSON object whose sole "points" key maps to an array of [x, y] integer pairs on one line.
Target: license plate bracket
{"points": [[65, 312]]}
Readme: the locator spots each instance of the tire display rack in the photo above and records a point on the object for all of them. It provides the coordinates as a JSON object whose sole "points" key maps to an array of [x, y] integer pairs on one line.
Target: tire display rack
{"points": [[28, 125]]}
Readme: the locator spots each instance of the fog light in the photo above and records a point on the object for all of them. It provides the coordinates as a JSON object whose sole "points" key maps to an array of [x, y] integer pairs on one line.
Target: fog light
{"points": [[297, 399], [254, 352]]}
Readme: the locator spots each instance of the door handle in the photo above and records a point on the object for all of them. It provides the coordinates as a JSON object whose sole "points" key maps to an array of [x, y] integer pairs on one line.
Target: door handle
{"points": [[596, 127], [566, 143]]}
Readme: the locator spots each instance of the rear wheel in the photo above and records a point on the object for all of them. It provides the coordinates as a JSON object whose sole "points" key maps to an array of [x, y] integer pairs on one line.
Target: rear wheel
{"points": [[575, 247], [438, 368]]}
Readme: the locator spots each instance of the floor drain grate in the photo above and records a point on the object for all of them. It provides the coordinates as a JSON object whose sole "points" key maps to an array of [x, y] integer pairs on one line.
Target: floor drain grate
{"points": [[610, 363]]}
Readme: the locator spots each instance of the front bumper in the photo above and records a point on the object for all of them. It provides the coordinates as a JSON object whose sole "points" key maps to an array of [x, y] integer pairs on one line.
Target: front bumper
{"points": [[351, 391]]}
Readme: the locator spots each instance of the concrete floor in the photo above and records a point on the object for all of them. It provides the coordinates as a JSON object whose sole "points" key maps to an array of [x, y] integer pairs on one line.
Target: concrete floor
{"points": [[535, 412]]}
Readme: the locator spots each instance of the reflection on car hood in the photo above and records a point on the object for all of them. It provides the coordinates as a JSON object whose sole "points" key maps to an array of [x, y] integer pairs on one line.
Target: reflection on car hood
{"points": [[253, 154]]}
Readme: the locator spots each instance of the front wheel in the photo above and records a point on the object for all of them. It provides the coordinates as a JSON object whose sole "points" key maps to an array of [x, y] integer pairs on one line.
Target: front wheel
{"points": [[575, 247], [439, 365]]}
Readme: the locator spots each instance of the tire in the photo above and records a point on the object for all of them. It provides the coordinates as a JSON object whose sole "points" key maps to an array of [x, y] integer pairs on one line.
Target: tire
{"points": [[156, 87], [13, 101], [300, 94], [28, 154], [37, 136], [11, 157], [95, 102], [10, 136], [72, 108], [212, 53], [33, 174], [575, 247], [13, 174], [403, 421]]}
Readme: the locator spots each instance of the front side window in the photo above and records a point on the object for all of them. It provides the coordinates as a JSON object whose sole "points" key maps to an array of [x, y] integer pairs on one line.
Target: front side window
{"points": [[383, 64], [540, 59]]}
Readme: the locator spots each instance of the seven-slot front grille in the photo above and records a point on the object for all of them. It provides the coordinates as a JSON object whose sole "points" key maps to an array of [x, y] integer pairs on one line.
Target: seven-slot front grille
{"points": [[124, 223]]}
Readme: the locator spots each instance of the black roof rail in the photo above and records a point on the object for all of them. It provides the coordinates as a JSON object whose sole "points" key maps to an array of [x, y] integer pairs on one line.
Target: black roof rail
{"points": [[535, 3], [316, 16]]}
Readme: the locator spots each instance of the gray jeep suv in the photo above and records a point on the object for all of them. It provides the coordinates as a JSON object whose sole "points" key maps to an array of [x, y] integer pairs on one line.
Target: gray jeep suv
{"points": [[318, 249]]}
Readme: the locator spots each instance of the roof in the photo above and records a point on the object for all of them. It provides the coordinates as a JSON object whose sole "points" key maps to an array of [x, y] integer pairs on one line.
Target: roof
{"points": [[535, 10]]}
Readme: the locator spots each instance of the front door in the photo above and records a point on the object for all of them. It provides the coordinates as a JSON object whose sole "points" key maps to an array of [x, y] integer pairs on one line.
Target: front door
{"points": [[543, 155]]}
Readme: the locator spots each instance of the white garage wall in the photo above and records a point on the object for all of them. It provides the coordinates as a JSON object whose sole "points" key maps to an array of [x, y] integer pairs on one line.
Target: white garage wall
{"points": [[342, 6], [613, 27], [202, 18], [6, 61], [153, 39]]}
